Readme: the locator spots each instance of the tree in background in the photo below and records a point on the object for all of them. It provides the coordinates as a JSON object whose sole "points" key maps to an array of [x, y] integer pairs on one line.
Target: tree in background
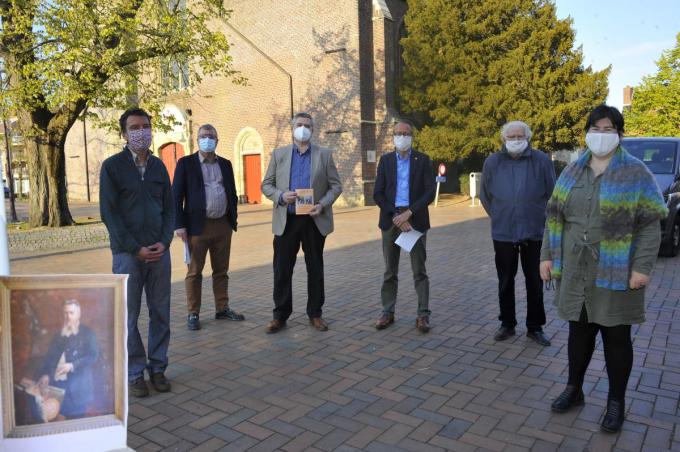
{"points": [[655, 108], [63, 56], [469, 67]]}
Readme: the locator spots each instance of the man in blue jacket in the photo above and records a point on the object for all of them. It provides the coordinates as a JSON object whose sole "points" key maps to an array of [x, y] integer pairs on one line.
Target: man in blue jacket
{"points": [[404, 186], [136, 206], [205, 209], [517, 182]]}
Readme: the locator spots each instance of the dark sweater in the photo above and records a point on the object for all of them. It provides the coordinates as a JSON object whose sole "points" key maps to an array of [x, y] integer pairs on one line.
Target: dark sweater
{"points": [[137, 211]]}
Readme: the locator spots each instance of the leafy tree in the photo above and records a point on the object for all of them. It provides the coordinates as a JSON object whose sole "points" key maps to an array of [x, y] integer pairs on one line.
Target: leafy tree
{"points": [[655, 109], [472, 66], [63, 56]]}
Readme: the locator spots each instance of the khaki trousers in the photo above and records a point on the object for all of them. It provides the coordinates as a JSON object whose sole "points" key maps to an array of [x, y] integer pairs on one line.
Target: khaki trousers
{"points": [[216, 239]]}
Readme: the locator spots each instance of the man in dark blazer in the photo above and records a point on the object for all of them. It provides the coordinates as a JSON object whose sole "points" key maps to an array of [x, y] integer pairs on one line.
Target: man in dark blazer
{"points": [[205, 204], [404, 186]]}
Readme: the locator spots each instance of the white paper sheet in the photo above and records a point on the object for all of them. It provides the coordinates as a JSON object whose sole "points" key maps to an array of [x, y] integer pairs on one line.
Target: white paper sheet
{"points": [[187, 255], [407, 240]]}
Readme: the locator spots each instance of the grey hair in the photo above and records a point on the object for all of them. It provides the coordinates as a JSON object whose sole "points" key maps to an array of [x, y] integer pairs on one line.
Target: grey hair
{"points": [[408, 122], [72, 301], [509, 125], [207, 126], [302, 114]]}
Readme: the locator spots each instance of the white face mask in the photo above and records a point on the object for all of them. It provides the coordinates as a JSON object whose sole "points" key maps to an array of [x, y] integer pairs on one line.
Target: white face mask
{"points": [[402, 142], [601, 144], [302, 134], [516, 147]]}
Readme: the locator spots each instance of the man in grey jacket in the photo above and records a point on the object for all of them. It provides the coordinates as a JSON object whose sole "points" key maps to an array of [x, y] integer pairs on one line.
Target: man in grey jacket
{"points": [[517, 182], [300, 166], [137, 208]]}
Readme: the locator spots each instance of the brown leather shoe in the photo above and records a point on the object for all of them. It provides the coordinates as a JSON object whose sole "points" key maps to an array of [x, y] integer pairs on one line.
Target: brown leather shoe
{"points": [[275, 326], [384, 321], [319, 324], [423, 324]]}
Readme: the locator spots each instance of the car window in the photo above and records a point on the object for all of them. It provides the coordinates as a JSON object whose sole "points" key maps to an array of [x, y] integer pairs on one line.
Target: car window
{"points": [[659, 156]]}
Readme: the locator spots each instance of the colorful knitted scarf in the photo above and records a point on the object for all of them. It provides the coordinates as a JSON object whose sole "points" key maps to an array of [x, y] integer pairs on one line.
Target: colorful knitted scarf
{"points": [[629, 198]]}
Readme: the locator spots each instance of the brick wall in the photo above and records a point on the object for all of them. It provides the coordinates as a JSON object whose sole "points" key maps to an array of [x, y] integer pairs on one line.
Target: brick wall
{"points": [[318, 45]]}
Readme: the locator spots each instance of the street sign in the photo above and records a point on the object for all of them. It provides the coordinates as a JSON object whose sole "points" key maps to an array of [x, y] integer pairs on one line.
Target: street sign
{"points": [[442, 169], [440, 179]]}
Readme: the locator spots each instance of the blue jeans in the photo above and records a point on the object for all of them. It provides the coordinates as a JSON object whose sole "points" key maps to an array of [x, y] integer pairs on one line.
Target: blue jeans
{"points": [[154, 279]]}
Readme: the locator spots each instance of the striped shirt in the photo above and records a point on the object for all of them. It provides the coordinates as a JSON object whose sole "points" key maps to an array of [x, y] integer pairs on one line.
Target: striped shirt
{"points": [[215, 195]]}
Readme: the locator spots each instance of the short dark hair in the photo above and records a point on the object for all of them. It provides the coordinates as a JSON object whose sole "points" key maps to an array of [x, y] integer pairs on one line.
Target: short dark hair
{"points": [[605, 111], [133, 111]]}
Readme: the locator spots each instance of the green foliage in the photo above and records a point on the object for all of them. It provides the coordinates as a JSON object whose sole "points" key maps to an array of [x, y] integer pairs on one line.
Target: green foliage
{"points": [[66, 54], [464, 184], [472, 66], [655, 109]]}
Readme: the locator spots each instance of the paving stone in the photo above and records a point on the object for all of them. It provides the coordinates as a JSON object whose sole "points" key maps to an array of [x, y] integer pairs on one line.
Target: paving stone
{"points": [[355, 388]]}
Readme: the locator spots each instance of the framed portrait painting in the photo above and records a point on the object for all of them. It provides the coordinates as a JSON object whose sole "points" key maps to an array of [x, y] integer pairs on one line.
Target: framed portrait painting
{"points": [[63, 362]]}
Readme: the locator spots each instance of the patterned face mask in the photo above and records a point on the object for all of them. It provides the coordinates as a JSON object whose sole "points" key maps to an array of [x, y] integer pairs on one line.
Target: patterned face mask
{"points": [[139, 140]]}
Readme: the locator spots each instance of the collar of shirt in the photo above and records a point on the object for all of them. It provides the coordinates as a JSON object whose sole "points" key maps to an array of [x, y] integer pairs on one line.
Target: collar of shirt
{"points": [[297, 149], [206, 159], [408, 156], [139, 158]]}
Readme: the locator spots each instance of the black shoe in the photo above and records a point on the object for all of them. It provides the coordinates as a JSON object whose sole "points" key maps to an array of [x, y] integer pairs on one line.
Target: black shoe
{"points": [[138, 388], [193, 323], [229, 315], [504, 332], [159, 382], [613, 417], [570, 397], [539, 337]]}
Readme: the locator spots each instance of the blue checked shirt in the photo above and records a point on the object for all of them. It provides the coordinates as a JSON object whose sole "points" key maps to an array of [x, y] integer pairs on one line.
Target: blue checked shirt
{"points": [[403, 170]]}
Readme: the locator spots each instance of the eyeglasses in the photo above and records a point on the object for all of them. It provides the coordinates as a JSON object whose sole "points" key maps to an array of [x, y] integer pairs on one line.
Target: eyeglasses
{"points": [[403, 134]]}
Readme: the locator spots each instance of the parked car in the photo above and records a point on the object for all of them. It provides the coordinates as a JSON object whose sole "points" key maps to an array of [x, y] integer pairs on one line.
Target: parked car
{"points": [[662, 157]]}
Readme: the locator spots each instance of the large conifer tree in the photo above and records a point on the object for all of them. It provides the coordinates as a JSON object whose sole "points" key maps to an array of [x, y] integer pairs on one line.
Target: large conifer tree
{"points": [[472, 66]]}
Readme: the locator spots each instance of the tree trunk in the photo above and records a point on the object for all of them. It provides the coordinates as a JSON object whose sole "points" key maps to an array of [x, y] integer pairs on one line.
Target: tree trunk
{"points": [[48, 201]]}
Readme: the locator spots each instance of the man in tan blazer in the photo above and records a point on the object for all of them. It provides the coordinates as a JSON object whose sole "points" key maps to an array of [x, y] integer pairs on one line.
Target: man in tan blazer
{"points": [[301, 165]]}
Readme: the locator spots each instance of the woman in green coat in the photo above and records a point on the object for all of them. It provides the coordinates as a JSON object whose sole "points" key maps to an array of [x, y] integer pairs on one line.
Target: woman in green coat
{"points": [[600, 244]]}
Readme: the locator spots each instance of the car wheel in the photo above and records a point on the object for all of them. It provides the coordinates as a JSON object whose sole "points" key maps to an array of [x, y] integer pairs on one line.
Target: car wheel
{"points": [[672, 246]]}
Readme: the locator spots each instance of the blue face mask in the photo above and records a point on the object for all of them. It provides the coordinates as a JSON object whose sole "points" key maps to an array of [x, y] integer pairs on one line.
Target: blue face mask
{"points": [[207, 144]]}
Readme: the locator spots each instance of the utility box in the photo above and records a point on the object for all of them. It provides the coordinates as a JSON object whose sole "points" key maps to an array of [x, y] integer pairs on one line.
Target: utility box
{"points": [[475, 185]]}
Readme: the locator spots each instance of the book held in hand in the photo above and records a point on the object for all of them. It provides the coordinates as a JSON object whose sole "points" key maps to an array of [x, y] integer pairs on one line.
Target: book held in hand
{"points": [[304, 202]]}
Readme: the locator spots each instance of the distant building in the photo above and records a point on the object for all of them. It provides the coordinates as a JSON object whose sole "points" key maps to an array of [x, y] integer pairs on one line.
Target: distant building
{"points": [[339, 60], [627, 97]]}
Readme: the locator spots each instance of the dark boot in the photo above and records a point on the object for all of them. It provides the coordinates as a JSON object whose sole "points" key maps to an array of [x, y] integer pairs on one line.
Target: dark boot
{"points": [[570, 397], [613, 417]]}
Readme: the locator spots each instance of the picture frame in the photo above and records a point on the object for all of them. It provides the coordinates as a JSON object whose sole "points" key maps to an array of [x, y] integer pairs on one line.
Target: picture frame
{"points": [[63, 362]]}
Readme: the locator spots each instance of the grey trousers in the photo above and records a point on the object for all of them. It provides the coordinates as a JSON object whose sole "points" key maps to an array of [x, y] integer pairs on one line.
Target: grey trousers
{"points": [[391, 253]]}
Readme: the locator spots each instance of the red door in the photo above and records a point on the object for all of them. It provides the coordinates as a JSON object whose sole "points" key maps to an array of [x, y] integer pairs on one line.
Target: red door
{"points": [[169, 154], [253, 178]]}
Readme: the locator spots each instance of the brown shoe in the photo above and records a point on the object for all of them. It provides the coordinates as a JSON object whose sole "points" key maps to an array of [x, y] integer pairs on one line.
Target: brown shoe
{"points": [[384, 321], [319, 324], [275, 326], [423, 324]]}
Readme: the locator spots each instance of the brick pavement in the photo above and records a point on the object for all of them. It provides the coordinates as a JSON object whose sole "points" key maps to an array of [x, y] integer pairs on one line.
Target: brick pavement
{"points": [[355, 388]]}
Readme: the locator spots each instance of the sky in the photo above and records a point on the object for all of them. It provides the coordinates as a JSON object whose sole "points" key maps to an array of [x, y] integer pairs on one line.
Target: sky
{"points": [[628, 34]]}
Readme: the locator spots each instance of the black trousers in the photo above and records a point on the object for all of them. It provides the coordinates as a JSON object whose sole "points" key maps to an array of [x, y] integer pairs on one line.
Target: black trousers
{"points": [[300, 229], [529, 253], [618, 353]]}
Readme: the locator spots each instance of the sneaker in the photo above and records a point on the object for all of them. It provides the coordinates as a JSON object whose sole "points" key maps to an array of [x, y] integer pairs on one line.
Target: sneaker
{"points": [[229, 315], [193, 323], [138, 388], [159, 382]]}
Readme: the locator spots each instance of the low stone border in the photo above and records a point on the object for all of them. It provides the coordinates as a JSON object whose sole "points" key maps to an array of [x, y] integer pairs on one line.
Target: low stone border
{"points": [[69, 237]]}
